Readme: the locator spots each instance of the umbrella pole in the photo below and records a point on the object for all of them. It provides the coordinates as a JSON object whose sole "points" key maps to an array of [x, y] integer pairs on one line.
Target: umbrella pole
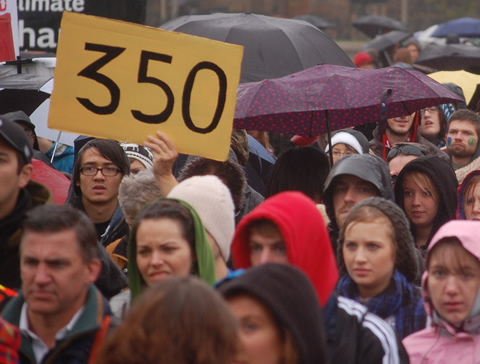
{"points": [[55, 147], [329, 137]]}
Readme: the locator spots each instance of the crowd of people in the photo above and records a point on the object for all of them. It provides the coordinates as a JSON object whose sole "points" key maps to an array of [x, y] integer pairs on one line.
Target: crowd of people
{"points": [[355, 248]]}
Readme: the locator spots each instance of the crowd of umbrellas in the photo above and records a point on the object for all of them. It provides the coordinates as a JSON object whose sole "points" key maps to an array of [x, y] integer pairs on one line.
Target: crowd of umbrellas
{"points": [[295, 79]]}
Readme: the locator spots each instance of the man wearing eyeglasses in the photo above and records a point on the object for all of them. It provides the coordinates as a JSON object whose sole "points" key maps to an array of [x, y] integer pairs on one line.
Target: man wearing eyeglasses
{"points": [[98, 170]]}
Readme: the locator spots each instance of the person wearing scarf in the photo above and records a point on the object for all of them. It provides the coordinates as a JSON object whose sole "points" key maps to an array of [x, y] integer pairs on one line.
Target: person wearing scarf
{"points": [[377, 254], [201, 262]]}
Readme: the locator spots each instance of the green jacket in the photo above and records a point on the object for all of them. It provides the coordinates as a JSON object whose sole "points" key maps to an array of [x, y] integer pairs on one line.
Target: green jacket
{"points": [[76, 346]]}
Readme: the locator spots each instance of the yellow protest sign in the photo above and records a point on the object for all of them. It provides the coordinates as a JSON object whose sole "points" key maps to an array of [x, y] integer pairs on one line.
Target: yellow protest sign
{"points": [[124, 81]]}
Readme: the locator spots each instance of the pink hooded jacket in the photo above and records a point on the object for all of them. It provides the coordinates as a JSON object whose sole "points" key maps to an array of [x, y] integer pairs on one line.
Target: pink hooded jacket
{"points": [[441, 343]]}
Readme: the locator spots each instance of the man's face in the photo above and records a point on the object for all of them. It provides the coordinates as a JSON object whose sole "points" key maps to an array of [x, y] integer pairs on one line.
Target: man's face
{"points": [[11, 181], [55, 278], [461, 138], [267, 247], [400, 126], [98, 189], [349, 190]]}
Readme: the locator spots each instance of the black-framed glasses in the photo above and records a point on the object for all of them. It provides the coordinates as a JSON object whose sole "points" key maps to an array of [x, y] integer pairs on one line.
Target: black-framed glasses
{"points": [[405, 149], [106, 171]]}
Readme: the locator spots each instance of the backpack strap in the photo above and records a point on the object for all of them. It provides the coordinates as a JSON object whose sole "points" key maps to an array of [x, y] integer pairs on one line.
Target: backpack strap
{"points": [[99, 338]]}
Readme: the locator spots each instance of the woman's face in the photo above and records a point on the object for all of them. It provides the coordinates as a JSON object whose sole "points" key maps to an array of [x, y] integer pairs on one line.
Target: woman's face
{"points": [[162, 251], [260, 339], [430, 122], [369, 255], [471, 203], [453, 282], [420, 207], [340, 150]]}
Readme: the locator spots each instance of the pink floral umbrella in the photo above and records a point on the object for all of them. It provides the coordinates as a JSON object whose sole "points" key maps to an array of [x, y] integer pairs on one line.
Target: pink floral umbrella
{"points": [[328, 97]]}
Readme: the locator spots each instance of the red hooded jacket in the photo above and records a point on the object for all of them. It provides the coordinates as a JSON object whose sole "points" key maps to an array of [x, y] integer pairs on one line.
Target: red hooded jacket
{"points": [[305, 234]]}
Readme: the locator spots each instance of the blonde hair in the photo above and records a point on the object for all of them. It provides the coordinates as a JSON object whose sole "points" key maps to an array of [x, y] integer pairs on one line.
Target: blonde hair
{"points": [[425, 183]]}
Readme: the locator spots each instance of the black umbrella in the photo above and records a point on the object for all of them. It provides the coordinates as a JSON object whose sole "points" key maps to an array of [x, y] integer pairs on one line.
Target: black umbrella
{"points": [[273, 47], [22, 92], [384, 41], [387, 40], [451, 57], [315, 20], [374, 25]]}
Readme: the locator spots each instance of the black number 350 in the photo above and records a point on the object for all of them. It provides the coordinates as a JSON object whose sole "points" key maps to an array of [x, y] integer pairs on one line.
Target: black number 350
{"points": [[91, 71]]}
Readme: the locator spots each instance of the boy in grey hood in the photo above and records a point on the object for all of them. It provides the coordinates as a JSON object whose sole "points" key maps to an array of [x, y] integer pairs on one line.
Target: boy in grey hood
{"points": [[351, 180]]}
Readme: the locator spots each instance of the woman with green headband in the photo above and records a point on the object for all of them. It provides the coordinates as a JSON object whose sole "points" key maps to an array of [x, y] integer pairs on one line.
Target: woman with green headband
{"points": [[167, 239]]}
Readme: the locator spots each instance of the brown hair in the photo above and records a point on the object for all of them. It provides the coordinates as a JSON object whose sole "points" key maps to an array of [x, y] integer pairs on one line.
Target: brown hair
{"points": [[469, 188], [466, 115], [58, 218], [263, 227], [178, 320], [453, 249]]}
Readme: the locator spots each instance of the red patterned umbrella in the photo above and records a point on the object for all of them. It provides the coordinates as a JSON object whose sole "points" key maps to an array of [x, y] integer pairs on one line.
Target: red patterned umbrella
{"points": [[303, 102]]}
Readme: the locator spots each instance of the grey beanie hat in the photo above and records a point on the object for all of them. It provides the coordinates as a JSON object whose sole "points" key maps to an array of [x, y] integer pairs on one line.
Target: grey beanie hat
{"points": [[405, 257]]}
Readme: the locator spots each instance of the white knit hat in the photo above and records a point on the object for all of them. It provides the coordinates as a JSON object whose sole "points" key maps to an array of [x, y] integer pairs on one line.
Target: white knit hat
{"points": [[212, 200]]}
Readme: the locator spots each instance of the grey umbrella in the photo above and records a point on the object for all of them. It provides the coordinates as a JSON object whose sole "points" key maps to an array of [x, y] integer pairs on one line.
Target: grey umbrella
{"points": [[451, 57], [315, 20], [374, 25], [384, 41], [273, 47]]}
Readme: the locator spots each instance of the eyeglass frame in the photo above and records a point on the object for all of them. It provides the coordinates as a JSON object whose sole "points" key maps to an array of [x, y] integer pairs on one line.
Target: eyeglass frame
{"points": [[430, 109], [82, 171], [336, 153], [413, 150]]}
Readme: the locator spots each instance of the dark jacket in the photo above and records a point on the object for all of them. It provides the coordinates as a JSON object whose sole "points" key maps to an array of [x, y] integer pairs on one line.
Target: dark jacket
{"points": [[111, 280], [443, 176], [34, 194], [353, 335], [365, 166], [279, 287], [76, 346], [401, 301]]}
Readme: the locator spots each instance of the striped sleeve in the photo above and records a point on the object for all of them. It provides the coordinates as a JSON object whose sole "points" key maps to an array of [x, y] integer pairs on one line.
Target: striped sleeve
{"points": [[378, 327]]}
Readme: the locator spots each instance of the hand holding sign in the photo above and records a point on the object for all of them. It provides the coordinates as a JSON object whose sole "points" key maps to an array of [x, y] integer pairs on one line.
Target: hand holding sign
{"points": [[164, 156], [124, 81]]}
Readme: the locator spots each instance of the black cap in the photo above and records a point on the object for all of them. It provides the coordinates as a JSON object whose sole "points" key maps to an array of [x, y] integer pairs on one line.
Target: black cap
{"points": [[16, 137], [19, 117]]}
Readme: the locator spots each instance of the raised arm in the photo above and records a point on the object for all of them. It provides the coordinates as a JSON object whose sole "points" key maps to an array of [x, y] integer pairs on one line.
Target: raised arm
{"points": [[164, 156]]}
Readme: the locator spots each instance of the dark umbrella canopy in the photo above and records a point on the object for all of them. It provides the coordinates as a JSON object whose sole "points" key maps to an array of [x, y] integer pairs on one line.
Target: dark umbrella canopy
{"points": [[451, 57], [302, 103], [22, 92], [273, 47], [374, 25], [387, 40], [463, 27], [315, 20]]}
